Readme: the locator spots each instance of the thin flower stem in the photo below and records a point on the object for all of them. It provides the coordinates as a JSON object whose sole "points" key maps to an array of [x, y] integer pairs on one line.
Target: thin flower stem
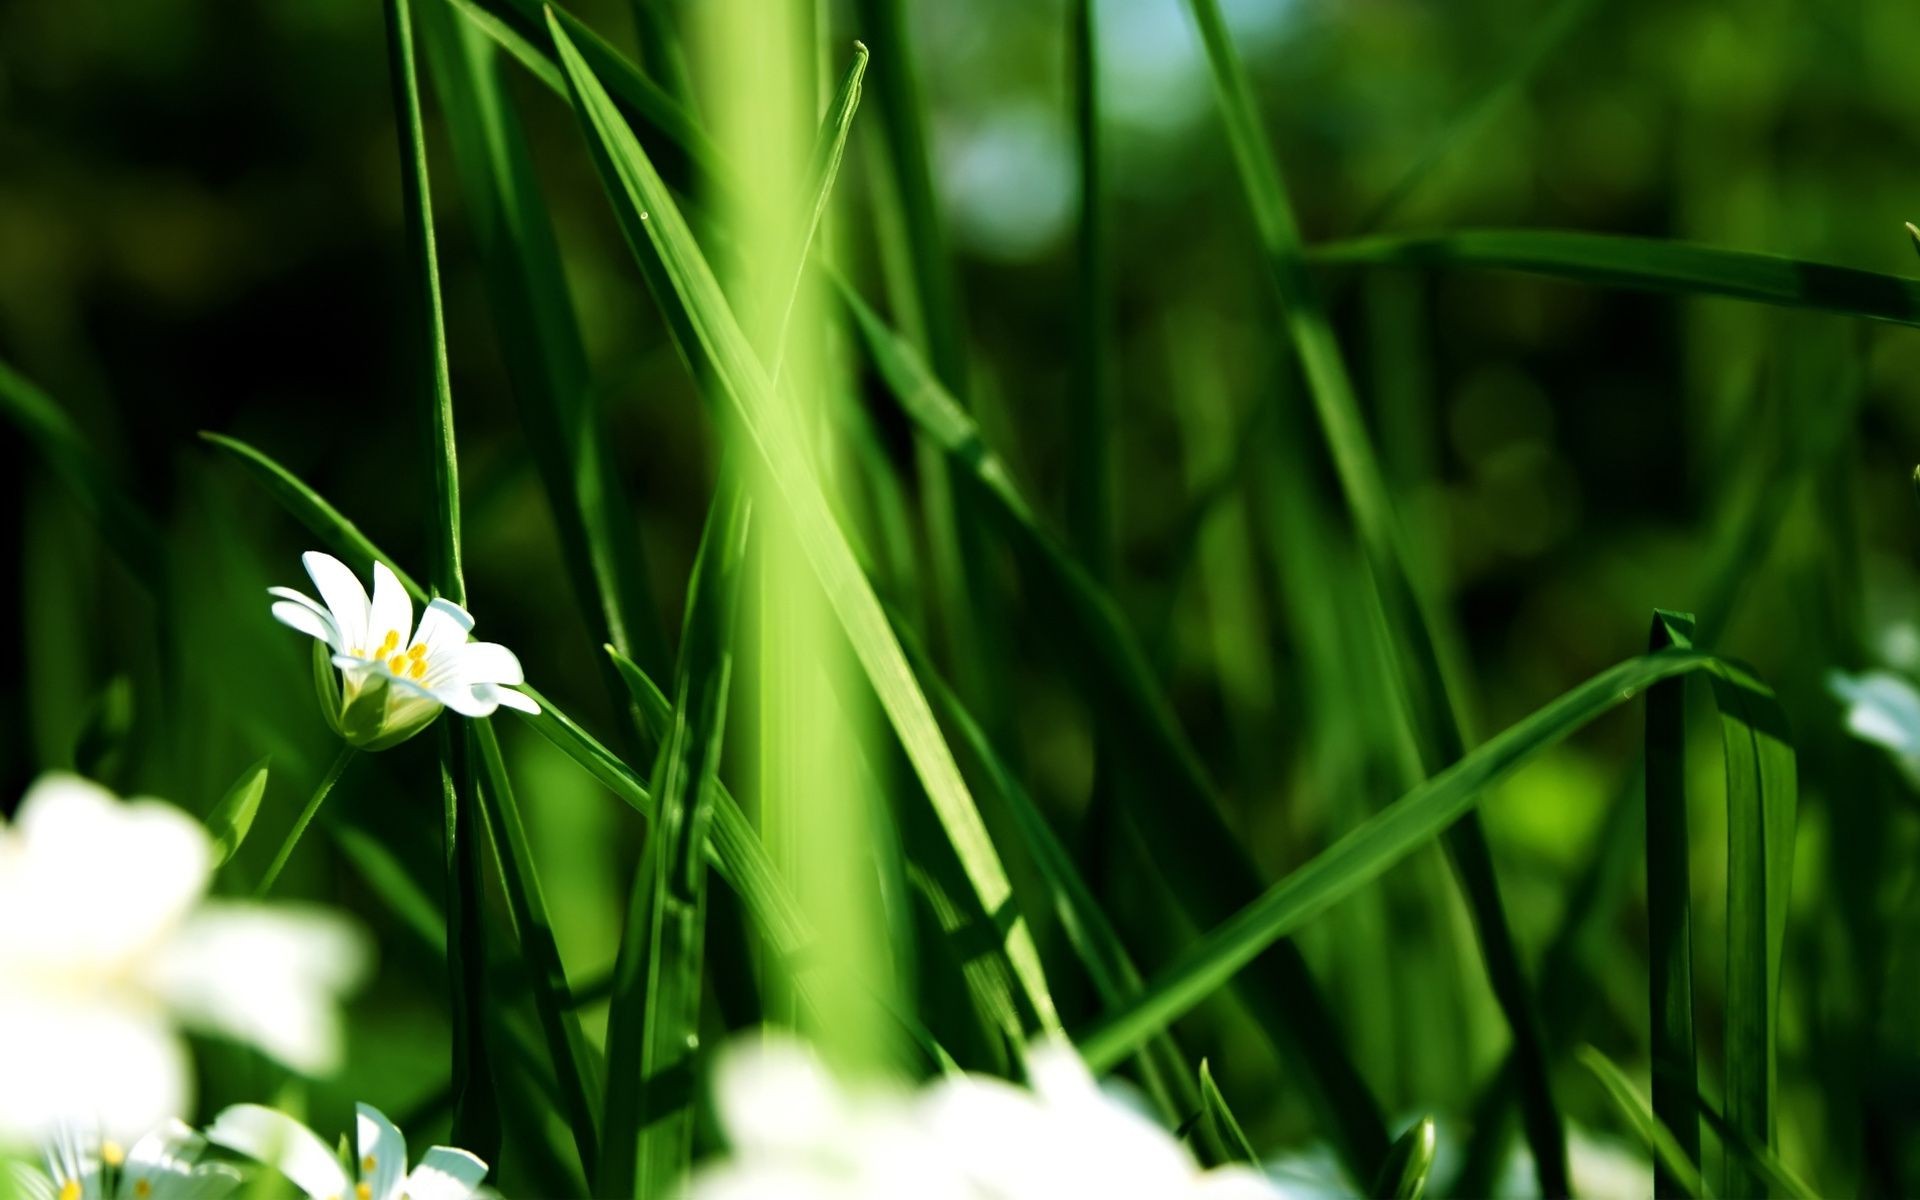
{"points": [[339, 768]]}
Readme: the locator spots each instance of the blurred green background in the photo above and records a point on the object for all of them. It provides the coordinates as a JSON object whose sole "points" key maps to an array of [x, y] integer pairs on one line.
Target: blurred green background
{"points": [[200, 228]]}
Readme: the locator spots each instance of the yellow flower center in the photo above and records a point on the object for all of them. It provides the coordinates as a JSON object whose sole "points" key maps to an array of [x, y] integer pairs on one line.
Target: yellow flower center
{"points": [[142, 1188], [112, 1154], [367, 1165], [363, 1190], [70, 1190]]}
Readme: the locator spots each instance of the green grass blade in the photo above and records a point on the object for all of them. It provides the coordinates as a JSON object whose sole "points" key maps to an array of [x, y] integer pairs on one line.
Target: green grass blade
{"points": [[1409, 1164], [567, 1048], [341, 762], [1670, 905], [1090, 529], [685, 288], [1438, 729], [1377, 844], [232, 818], [1761, 1163], [654, 1023], [1675, 1171], [1175, 806], [1645, 264], [1230, 1141]]}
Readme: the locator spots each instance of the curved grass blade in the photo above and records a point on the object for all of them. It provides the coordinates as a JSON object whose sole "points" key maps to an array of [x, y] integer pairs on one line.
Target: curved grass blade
{"points": [[1644, 264], [1230, 1141], [653, 1024], [1675, 1167], [1409, 1164], [690, 297], [1437, 727], [1175, 806], [1670, 906], [1371, 848]]}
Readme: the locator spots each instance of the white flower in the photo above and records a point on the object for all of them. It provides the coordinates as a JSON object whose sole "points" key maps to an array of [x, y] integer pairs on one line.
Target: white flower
{"points": [[391, 686], [163, 1165], [797, 1132], [1884, 709], [109, 942], [380, 1171]]}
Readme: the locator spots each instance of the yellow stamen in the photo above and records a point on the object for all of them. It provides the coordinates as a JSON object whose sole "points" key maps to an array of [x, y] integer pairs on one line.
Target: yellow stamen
{"points": [[366, 1164], [70, 1190], [363, 1190], [112, 1154], [390, 643], [418, 650], [357, 652], [397, 663], [417, 669], [142, 1188]]}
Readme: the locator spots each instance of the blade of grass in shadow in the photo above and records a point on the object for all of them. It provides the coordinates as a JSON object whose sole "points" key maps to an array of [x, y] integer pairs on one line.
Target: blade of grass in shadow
{"points": [[1438, 728], [1674, 1169], [1175, 805], [661, 49], [1230, 1142], [1670, 906], [476, 1124], [1408, 1165], [572, 1058], [690, 297], [1644, 264], [1760, 1162], [653, 1025], [1089, 397]]}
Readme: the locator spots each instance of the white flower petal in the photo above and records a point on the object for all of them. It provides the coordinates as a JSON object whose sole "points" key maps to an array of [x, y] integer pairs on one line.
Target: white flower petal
{"points": [[307, 621], [444, 626], [344, 595], [166, 1161], [280, 1141], [71, 1058], [124, 875], [488, 662], [31, 1183], [1882, 708], [468, 701], [773, 1095], [390, 613], [271, 977], [770, 1181], [445, 1173], [508, 698], [1236, 1183], [383, 1152]]}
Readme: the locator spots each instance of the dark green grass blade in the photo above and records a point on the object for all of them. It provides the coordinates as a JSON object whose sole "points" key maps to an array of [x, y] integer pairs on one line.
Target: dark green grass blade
{"points": [[1761, 1163], [1230, 1142], [1175, 806], [1675, 1172], [123, 524], [1670, 905], [661, 49], [540, 341], [654, 1023], [1438, 729], [1409, 1164], [690, 297], [1362, 855], [1761, 812], [567, 1048], [476, 1122], [1090, 529], [1645, 264]]}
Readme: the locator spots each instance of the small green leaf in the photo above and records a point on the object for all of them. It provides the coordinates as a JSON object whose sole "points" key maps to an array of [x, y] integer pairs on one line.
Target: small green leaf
{"points": [[233, 816], [1230, 1141], [1409, 1163]]}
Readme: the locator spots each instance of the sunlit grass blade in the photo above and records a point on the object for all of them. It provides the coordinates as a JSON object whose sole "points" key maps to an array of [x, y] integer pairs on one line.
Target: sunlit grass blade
{"points": [[476, 1123], [124, 525], [1670, 904], [1676, 1172], [654, 1023], [1644, 264], [1230, 1142], [572, 1057], [232, 818], [1437, 726], [690, 297], [1408, 1165], [1174, 804], [1362, 855]]}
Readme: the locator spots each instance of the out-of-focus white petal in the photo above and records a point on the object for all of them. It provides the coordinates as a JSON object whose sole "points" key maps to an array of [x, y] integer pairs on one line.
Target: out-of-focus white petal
{"points": [[31, 1183], [123, 875], [506, 697], [344, 596], [390, 613], [488, 662], [774, 1096], [284, 1143], [769, 1181], [444, 625], [164, 1165], [82, 1057], [445, 1174], [1882, 708], [271, 977], [307, 621], [383, 1152]]}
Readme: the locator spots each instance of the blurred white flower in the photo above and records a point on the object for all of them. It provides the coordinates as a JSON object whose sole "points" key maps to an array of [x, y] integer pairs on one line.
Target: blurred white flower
{"points": [[110, 942], [1882, 708], [391, 686], [380, 1173], [163, 1165], [797, 1132]]}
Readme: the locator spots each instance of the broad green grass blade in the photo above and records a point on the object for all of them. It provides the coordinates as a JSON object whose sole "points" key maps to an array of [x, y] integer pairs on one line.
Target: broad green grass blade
{"points": [[1645, 264], [690, 297], [232, 818], [1670, 905], [653, 1025], [1174, 805], [476, 1123], [1409, 1164], [123, 524], [1230, 1141], [1675, 1169], [1761, 1163], [567, 1048], [540, 341], [1362, 855], [1438, 728]]}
